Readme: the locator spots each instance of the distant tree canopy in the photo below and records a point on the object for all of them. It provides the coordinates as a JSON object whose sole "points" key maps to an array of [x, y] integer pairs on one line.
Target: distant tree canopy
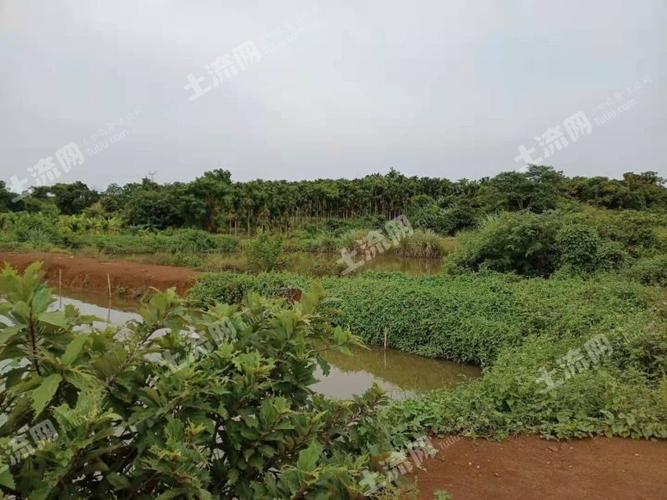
{"points": [[215, 203]]}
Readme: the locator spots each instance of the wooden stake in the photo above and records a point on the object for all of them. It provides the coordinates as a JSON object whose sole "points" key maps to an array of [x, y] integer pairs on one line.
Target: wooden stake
{"points": [[60, 288], [385, 338], [109, 286]]}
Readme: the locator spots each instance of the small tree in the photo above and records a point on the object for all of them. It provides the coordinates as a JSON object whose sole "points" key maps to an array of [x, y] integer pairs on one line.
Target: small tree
{"points": [[150, 410]]}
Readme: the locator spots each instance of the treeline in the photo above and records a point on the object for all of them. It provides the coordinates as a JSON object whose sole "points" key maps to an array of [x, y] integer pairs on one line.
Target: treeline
{"points": [[216, 203]]}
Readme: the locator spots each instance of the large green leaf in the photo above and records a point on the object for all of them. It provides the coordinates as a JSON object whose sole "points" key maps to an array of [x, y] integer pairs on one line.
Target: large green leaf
{"points": [[6, 478], [7, 333], [41, 300], [54, 318], [308, 457], [73, 349], [44, 393]]}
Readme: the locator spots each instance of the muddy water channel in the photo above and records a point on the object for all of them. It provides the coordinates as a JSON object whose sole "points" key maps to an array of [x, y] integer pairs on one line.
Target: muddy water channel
{"points": [[400, 374]]}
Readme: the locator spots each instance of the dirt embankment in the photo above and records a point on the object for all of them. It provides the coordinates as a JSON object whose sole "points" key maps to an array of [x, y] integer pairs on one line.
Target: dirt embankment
{"points": [[127, 278], [518, 468]]}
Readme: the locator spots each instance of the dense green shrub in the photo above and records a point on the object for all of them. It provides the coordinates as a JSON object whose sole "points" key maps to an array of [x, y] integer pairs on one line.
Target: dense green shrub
{"points": [[39, 230], [539, 244], [632, 229], [623, 393], [611, 256], [191, 241], [650, 270], [520, 242], [582, 250], [638, 233], [431, 217], [579, 246], [230, 414], [443, 220], [265, 252]]}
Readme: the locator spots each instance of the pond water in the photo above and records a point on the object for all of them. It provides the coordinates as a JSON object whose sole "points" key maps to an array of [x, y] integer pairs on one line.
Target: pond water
{"points": [[387, 263], [399, 374]]}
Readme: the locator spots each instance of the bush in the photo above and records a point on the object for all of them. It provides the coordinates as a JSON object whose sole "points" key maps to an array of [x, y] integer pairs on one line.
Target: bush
{"points": [[35, 229], [265, 253], [539, 244], [650, 271], [433, 218], [635, 231], [159, 413], [578, 246], [446, 221], [524, 243], [192, 241], [611, 256]]}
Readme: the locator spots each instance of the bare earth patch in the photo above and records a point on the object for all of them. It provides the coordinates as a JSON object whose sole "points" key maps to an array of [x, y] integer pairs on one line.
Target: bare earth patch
{"points": [[528, 467], [128, 278]]}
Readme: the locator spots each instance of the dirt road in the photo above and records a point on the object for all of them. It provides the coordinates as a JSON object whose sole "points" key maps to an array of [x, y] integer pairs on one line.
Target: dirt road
{"points": [[528, 467]]}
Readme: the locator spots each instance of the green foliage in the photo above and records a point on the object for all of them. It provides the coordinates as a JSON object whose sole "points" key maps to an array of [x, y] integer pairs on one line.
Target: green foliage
{"points": [[611, 256], [537, 190], [579, 246], [184, 242], [539, 244], [605, 400], [650, 270], [38, 230], [443, 220], [635, 191], [466, 318], [514, 327], [265, 253], [190, 241], [635, 231], [6, 199], [524, 243], [72, 198], [582, 250], [420, 244], [215, 203], [225, 416]]}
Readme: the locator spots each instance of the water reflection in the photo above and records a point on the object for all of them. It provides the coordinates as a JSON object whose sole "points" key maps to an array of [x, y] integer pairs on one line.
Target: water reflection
{"points": [[106, 314], [400, 374]]}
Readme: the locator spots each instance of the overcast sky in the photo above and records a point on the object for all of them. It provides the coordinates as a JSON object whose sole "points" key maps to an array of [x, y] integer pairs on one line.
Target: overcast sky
{"points": [[337, 88]]}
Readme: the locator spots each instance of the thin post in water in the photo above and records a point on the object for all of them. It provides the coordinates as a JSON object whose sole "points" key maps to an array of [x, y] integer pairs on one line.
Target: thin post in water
{"points": [[109, 310]]}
